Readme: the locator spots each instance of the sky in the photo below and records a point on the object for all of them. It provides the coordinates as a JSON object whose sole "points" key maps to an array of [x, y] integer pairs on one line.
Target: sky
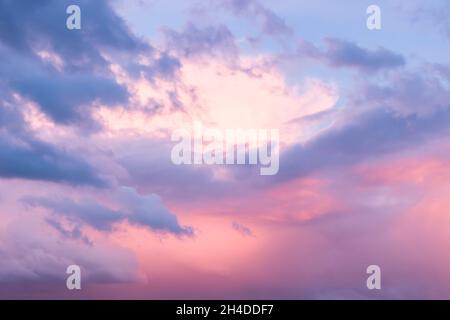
{"points": [[86, 175]]}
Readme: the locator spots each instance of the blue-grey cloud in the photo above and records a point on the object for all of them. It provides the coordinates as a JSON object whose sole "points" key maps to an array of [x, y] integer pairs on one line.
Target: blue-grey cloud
{"points": [[87, 211], [24, 29], [37, 160], [62, 97], [245, 231], [374, 133], [66, 90], [341, 53], [422, 92], [24, 156], [69, 233], [140, 210], [194, 41], [10, 118], [271, 24]]}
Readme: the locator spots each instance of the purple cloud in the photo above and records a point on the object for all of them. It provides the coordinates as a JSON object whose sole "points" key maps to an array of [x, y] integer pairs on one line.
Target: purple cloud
{"points": [[31, 252], [422, 92]]}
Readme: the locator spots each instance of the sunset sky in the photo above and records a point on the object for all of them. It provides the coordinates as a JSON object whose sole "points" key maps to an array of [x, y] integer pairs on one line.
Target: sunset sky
{"points": [[86, 177]]}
